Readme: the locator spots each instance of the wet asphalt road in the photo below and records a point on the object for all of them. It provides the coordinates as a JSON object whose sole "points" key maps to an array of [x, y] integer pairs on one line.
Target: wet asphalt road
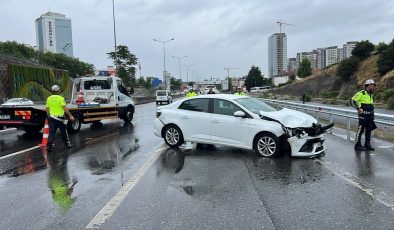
{"points": [[200, 188]]}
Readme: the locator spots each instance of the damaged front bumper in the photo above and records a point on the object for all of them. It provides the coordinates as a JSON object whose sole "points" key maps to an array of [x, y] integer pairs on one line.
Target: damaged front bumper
{"points": [[307, 142], [306, 146]]}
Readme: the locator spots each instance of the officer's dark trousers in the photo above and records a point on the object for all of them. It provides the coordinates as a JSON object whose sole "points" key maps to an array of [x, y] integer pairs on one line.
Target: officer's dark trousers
{"points": [[53, 126], [365, 121]]}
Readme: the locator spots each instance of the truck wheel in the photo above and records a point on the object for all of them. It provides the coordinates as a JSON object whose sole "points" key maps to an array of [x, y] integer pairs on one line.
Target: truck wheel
{"points": [[1, 127], [75, 126], [129, 115]]}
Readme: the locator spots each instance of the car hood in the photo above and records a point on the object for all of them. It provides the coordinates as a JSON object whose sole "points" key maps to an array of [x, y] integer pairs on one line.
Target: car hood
{"points": [[291, 118]]}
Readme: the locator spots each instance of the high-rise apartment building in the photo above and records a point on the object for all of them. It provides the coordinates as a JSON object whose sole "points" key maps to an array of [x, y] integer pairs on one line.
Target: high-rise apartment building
{"points": [[321, 58], [277, 54], [340, 55], [54, 33], [348, 48], [331, 55], [292, 64], [311, 56]]}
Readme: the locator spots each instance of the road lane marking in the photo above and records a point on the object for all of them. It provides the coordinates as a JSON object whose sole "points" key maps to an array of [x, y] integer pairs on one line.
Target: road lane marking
{"points": [[16, 153], [108, 210], [363, 188], [6, 130]]}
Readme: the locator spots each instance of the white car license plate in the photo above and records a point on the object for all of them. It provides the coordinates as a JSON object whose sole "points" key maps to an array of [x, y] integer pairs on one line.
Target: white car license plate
{"points": [[5, 117]]}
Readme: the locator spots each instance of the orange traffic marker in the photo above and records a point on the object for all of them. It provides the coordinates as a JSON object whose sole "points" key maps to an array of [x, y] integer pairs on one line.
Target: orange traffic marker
{"points": [[45, 134]]}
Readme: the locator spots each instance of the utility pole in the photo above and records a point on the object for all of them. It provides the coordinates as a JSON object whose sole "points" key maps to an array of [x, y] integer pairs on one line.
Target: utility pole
{"points": [[228, 75], [116, 55]]}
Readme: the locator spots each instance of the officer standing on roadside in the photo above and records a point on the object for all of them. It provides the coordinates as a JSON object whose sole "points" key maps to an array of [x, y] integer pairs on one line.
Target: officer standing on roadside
{"points": [[210, 91], [191, 93], [239, 92], [363, 102], [56, 108]]}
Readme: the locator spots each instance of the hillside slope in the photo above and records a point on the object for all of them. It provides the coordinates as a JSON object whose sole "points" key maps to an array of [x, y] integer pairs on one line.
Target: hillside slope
{"points": [[327, 85]]}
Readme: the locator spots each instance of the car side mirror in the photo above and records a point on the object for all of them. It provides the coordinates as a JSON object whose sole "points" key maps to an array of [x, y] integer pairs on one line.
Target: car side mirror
{"points": [[239, 114]]}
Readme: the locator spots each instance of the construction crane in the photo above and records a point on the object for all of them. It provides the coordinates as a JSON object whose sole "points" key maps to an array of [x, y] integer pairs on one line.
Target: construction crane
{"points": [[228, 70], [228, 76], [280, 23]]}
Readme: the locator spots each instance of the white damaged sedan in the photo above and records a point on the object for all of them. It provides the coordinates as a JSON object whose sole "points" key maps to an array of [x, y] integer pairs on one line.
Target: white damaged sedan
{"points": [[241, 122]]}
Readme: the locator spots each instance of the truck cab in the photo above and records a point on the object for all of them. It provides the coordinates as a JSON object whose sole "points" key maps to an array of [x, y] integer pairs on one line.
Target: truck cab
{"points": [[96, 98]]}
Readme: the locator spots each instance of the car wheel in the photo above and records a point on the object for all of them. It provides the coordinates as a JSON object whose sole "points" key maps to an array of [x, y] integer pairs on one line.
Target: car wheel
{"points": [[173, 136], [129, 115], [267, 145], [75, 126]]}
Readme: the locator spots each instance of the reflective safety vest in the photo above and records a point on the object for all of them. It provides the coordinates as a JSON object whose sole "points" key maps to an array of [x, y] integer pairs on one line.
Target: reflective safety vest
{"points": [[191, 94], [239, 94], [55, 104], [364, 100]]}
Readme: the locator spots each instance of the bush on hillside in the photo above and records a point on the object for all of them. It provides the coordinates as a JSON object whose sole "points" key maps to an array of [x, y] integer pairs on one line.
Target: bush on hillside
{"points": [[363, 49], [390, 103], [388, 94], [329, 94], [381, 47], [348, 67], [386, 59]]}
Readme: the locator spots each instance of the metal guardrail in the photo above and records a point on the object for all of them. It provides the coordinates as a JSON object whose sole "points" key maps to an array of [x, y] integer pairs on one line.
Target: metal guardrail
{"points": [[380, 118]]}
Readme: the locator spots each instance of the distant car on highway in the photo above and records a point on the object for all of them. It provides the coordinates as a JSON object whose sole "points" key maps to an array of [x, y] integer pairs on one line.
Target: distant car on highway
{"points": [[18, 101], [241, 122]]}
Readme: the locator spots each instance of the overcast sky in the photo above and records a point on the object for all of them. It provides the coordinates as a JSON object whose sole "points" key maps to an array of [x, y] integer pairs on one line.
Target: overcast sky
{"points": [[213, 33]]}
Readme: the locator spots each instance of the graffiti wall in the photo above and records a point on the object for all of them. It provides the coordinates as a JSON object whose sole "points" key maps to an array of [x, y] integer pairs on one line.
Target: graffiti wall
{"points": [[35, 83]]}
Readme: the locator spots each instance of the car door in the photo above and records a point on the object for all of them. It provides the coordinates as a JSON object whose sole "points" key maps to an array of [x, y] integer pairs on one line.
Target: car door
{"points": [[194, 119], [225, 128]]}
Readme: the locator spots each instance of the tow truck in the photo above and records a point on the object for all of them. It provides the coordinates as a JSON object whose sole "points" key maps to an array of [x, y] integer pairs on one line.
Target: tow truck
{"points": [[93, 99]]}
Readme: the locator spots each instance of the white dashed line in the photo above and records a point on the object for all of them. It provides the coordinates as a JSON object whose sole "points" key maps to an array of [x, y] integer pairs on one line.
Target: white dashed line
{"points": [[366, 190], [23, 151], [109, 209], [6, 130]]}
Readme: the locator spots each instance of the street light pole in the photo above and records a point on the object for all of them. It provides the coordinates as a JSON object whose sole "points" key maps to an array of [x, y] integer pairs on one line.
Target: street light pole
{"points": [[116, 55], [164, 55], [179, 65]]}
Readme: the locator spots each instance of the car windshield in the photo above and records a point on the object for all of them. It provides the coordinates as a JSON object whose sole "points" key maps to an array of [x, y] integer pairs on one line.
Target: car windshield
{"points": [[161, 93], [13, 100], [255, 106]]}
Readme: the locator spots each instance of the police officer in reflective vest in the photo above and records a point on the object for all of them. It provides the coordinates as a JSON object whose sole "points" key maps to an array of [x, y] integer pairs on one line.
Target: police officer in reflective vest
{"points": [[56, 108], [363, 102], [191, 93], [239, 92]]}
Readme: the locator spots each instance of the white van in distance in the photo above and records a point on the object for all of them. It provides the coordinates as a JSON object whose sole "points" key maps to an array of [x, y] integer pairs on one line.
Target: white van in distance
{"points": [[163, 96]]}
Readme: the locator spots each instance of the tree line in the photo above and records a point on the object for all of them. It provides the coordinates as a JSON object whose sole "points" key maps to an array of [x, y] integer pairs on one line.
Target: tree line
{"points": [[74, 66]]}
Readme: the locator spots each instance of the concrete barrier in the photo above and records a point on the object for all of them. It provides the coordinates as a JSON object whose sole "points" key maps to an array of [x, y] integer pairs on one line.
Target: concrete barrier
{"points": [[143, 100]]}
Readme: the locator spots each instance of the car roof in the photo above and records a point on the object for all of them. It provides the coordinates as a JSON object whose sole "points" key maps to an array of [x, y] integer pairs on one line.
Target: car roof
{"points": [[221, 96]]}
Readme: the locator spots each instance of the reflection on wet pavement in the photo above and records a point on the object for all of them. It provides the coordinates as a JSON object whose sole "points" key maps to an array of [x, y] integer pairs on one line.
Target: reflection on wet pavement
{"points": [[59, 181]]}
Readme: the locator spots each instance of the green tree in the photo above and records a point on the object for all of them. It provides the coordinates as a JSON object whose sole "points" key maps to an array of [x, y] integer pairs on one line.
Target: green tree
{"points": [[348, 67], [148, 84], [254, 78], [125, 63], [18, 50], [141, 82], [305, 69], [363, 49], [386, 59], [381, 47], [74, 66], [175, 83]]}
